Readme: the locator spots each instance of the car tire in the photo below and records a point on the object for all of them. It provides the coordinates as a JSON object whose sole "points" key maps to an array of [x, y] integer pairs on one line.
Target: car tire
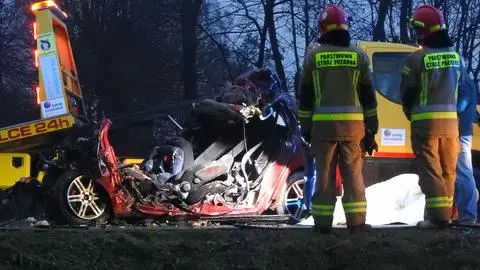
{"points": [[291, 199], [80, 200]]}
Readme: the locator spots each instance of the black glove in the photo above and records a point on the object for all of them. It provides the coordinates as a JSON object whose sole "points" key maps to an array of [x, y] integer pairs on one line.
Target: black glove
{"points": [[369, 144]]}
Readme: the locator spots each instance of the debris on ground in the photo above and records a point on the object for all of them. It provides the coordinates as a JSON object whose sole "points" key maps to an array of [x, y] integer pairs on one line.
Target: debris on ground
{"points": [[41, 223]]}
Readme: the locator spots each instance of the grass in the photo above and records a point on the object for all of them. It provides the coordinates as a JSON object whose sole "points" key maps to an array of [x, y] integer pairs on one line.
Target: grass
{"points": [[239, 249]]}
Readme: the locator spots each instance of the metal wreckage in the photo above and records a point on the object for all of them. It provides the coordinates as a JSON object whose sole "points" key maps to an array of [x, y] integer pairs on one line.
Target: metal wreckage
{"points": [[241, 158]]}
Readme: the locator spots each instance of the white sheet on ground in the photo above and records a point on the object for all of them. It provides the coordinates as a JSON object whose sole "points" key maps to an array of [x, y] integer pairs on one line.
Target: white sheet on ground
{"points": [[396, 200]]}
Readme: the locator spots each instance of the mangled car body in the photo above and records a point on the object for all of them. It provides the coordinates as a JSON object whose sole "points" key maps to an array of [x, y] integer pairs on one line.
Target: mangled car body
{"points": [[241, 158]]}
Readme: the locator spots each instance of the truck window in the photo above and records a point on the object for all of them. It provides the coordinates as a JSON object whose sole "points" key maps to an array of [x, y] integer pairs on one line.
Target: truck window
{"points": [[387, 72]]}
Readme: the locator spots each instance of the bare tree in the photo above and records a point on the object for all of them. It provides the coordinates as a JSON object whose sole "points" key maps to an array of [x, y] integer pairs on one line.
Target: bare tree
{"points": [[190, 16], [379, 31], [405, 11], [277, 55]]}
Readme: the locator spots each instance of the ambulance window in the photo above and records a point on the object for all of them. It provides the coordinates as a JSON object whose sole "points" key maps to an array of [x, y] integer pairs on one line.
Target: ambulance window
{"points": [[387, 72]]}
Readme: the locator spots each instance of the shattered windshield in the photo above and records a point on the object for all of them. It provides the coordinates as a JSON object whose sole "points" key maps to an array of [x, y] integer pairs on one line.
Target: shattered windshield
{"points": [[387, 73]]}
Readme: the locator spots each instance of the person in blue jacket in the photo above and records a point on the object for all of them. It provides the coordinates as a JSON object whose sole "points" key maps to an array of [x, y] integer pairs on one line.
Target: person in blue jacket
{"points": [[465, 196]]}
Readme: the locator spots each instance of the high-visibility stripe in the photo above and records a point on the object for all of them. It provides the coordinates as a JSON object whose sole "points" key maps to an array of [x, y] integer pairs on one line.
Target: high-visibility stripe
{"points": [[358, 209], [334, 26], [323, 209], [355, 207], [440, 205], [439, 202], [337, 116], [439, 199], [356, 75], [323, 206], [434, 115], [424, 89], [316, 85], [370, 112], [327, 213], [437, 27], [337, 109], [406, 70], [304, 114], [355, 204], [418, 23], [434, 108]]}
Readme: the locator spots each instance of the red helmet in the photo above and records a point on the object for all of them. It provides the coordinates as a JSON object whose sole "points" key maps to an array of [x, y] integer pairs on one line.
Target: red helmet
{"points": [[426, 20], [333, 18]]}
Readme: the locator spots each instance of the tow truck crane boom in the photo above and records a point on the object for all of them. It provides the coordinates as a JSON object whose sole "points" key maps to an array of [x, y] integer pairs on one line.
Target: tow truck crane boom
{"points": [[58, 95]]}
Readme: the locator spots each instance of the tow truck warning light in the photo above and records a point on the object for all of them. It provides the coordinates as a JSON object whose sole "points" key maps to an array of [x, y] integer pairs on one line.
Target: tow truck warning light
{"points": [[47, 4], [43, 5]]}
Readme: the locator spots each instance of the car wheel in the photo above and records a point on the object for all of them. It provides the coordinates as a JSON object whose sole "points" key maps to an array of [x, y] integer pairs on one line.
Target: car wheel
{"points": [[291, 201], [81, 200]]}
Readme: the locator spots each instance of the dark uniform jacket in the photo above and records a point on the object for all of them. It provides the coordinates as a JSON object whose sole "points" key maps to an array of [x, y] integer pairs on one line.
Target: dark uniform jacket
{"points": [[336, 94], [429, 89]]}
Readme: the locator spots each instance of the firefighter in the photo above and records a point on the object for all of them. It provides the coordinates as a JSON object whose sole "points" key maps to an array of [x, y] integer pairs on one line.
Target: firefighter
{"points": [[337, 110], [429, 88]]}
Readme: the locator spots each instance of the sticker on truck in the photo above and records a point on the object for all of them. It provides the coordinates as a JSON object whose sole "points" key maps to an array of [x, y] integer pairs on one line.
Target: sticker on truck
{"points": [[36, 128], [393, 137], [54, 107]]}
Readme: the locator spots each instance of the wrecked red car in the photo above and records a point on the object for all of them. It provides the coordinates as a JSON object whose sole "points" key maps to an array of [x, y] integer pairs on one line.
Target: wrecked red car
{"points": [[242, 159]]}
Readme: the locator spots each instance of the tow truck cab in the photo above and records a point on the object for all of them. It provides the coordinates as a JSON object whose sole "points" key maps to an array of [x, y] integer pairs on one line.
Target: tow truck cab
{"points": [[395, 155]]}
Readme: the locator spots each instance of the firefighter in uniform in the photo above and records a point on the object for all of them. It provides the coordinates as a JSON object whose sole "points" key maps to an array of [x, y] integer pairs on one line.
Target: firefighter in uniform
{"points": [[337, 110], [429, 89]]}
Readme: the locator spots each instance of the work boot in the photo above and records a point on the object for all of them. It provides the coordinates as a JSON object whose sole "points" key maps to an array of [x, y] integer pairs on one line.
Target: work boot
{"points": [[322, 230], [355, 229], [433, 224]]}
